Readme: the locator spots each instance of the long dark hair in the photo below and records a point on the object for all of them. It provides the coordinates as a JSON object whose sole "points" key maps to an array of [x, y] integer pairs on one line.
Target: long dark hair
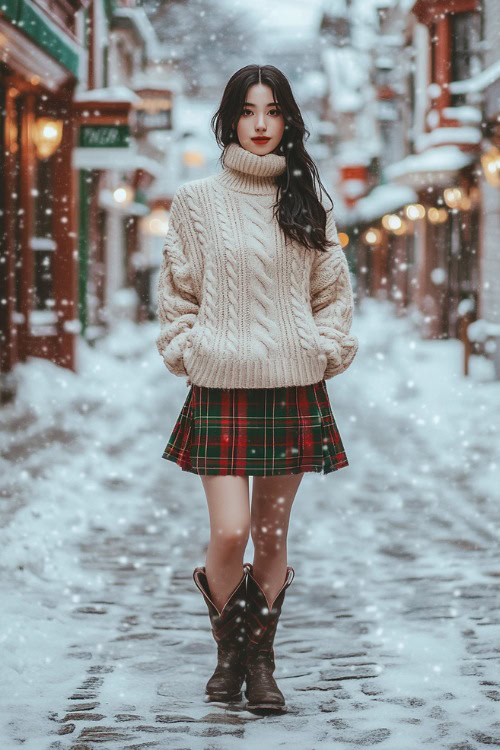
{"points": [[299, 210]]}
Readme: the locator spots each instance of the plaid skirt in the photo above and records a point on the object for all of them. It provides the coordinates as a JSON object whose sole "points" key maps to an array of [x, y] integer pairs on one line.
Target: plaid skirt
{"points": [[256, 432]]}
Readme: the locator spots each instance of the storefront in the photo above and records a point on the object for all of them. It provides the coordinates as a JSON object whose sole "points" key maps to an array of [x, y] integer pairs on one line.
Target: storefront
{"points": [[114, 176], [386, 258], [446, 234], [38, 283]]}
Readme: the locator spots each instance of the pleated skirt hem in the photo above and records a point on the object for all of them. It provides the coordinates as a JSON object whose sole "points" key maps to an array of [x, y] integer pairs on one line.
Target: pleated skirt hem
{"points": [[257, 432], [221, 471]]}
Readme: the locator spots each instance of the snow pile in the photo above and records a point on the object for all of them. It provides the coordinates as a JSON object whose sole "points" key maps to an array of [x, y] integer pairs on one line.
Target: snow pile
{"points": [[79, 457]]}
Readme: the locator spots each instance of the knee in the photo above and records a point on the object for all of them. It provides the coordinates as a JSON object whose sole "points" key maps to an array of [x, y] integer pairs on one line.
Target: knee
{"points": [[232, 538]]}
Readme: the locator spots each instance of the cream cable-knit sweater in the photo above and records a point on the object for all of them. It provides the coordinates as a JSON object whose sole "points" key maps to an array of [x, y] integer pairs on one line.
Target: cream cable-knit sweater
{"points": [[238, 308]]}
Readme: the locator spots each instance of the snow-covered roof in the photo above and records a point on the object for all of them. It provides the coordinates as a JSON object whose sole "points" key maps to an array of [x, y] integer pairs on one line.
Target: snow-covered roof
{"points": [[139, 18], [159, 80], [335, 8], [108, 94], [351, 153], [390, 40], [125, 159], [441, 136], [480, 330], [465, 114], [478, 82], [347, 77], [406, 5], [282, 17], [384, 199], [384, 62], [441, 160]]}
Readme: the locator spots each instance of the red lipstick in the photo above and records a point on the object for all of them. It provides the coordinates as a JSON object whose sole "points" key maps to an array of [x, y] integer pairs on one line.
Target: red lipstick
{"points": [[261, 139]]}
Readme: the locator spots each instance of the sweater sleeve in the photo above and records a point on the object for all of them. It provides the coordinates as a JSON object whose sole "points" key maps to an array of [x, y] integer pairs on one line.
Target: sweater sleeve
{"points": [[178, 303], [332, 303]]}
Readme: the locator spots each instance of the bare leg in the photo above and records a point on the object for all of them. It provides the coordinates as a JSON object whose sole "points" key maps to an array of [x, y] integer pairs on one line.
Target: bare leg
{"points": [[272, 499], [229, 509]]}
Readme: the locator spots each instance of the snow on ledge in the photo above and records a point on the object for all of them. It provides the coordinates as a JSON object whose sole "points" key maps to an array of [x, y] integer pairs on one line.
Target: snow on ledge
{"points": [[384, 199], [439, 159], [465, 114], [451, 135], [108, 94], [481, 330], [477, 83]]}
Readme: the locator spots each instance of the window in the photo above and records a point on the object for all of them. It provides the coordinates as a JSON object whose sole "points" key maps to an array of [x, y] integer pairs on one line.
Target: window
{"points": [[42, 243], [43, 249], [433, 35], [465, 45]]}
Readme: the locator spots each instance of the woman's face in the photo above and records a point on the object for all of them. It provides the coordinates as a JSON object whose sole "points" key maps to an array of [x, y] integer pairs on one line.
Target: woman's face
{"points": [[262, 117]]}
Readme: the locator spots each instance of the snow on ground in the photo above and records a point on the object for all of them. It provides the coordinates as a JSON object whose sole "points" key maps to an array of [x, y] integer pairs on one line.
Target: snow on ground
{"points": [[402, 544]]}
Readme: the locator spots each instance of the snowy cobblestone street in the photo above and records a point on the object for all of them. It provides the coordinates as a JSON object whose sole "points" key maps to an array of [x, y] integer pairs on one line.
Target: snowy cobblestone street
{"points": [[390, 632]]}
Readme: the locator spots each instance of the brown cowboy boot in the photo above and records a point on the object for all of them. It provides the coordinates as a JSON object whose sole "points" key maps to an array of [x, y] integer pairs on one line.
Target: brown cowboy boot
{"points": [[261, 690], [229, 632]]}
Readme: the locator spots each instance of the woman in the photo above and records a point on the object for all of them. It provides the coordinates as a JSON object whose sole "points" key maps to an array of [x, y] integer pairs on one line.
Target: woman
{"points": [[255, 305]]}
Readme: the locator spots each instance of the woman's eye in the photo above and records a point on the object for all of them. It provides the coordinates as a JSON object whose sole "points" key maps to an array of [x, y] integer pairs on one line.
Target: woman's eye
{"points": [[278, 112]]}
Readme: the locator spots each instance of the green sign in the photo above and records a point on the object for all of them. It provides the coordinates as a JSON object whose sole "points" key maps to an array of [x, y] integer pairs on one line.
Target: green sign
{"points": [[35, 22], [104, 136]]}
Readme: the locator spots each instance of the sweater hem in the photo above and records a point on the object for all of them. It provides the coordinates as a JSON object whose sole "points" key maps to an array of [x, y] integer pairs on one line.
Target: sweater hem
{"points": [[255, 374]]}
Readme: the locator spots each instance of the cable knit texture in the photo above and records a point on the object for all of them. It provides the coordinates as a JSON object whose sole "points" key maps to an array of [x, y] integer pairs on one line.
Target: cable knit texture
{"points": [[238, 307]]}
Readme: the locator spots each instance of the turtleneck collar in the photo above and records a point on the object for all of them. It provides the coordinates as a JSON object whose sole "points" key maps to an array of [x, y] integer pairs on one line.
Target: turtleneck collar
{"points": [[246, 172]]}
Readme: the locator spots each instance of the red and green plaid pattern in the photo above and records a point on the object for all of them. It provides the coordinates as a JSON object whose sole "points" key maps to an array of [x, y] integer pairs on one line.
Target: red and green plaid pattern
{"points": [[257, 431]]}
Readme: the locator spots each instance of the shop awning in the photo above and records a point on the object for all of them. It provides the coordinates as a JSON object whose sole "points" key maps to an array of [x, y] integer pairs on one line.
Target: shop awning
{"points": [[28, 20], [436, 166], [123, 159], [384, 199]]}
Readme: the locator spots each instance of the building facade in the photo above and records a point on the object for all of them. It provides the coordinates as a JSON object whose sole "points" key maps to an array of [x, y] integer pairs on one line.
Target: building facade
{"points": [[43, 58], [426, 231], [81, 91]]}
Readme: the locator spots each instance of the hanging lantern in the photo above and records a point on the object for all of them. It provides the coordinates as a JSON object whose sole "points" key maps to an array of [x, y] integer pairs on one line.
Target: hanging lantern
{"points": [[465, 203], [193, 158], [490, 162], [343, 239], [391, 222], [437, 215], [402, 228], [372, 236], [155, 223], [47, 135], [123, 194], [414, 211], [452, 197]]}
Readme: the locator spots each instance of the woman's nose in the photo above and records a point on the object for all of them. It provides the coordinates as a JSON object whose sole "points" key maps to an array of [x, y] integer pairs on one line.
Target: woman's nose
{"points": [[261, 123]]}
